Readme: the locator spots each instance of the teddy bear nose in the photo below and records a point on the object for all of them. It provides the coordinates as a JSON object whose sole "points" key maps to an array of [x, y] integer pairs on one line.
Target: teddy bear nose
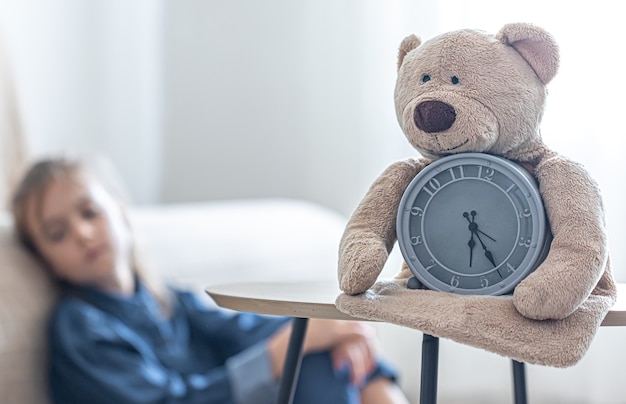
{"points": [[434, 116]]}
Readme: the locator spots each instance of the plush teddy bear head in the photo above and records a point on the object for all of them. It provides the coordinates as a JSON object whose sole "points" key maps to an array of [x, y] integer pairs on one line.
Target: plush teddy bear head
{"points": [[468, 91]]}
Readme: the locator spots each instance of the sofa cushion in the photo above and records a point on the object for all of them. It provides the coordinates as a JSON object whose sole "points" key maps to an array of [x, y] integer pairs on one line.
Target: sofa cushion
{"points": [[26, 295], [200, 244]]}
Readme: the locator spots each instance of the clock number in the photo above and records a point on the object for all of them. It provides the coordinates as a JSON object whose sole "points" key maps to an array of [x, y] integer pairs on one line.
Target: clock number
{"points": [[415, 240], [510, 268], [415, 211], [489, 173], [524, 242], [434, 184], [453, 175], [431, 264], [455, 281], [484, 282], [525, 213]]}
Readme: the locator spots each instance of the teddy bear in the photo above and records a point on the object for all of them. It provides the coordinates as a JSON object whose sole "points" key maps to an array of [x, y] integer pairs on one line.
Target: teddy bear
{"points": [[471, 91]]}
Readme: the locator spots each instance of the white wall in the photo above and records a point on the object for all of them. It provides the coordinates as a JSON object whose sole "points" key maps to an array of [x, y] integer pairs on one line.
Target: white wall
{"points": [[215, 99], [88, 78], [282, 97]]}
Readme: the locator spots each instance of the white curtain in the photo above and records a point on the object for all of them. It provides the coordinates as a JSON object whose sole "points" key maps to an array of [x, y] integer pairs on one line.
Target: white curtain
{"points": [[12, 141], [88, 78]]}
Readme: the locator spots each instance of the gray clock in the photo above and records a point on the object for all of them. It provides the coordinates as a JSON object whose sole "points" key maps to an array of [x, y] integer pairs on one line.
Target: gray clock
{"points": [[472, 223]]}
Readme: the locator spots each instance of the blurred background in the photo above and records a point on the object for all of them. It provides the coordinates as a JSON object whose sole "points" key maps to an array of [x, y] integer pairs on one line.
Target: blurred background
{"points": [[206, 100]]}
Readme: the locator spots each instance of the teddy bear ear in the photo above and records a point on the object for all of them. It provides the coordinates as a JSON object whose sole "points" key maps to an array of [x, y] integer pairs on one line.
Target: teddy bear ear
{"points": [[408, 44], [535, 45]]}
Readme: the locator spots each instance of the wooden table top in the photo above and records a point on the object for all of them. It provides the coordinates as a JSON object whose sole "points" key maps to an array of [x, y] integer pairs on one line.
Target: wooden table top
{"points": [[316, 299]]}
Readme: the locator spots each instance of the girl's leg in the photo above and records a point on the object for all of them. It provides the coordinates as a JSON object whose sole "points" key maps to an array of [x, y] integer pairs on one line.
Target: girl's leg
{"points": [[319, 383], [382, 391], [381, 387]]}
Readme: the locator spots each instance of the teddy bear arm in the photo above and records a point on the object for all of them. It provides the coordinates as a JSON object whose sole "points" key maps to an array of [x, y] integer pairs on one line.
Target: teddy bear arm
{"points": [[370, 233], [578, 252]]}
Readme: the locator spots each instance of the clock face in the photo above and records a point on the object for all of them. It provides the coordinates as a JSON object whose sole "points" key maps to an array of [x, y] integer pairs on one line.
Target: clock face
{"points": [[472, 223]]}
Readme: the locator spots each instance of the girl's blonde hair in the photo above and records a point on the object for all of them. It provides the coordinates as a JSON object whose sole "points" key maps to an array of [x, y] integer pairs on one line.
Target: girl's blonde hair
{"points": [[30, 191]]}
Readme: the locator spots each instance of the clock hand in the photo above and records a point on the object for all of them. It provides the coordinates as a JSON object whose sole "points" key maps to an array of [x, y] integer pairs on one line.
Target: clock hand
{"points": [[485, 234], [488, 253], [471, 222], [490, 257], [474, 226], [471, 243]]}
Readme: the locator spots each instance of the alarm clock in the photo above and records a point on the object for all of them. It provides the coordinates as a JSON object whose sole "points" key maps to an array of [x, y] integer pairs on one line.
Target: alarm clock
{"points": [[472, 223]]}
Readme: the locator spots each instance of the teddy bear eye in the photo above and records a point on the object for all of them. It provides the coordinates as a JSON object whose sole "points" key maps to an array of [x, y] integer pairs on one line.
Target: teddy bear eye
{"points": [[454, 80], [425, 78]]}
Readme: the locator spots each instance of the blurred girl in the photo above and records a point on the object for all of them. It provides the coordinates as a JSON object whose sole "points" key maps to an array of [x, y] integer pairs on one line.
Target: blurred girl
{"points": [[119, 336]]}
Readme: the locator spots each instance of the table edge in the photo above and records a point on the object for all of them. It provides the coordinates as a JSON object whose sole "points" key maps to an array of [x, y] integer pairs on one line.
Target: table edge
{"points": [[266, 306], [614, 318]]}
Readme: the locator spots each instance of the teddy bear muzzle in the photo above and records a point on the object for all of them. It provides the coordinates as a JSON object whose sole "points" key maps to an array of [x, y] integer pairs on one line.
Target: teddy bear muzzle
{"points": [[434, 116]]}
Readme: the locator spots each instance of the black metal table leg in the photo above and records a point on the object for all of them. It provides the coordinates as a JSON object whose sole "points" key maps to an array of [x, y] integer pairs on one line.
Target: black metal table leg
{"points": [[293, 360], [519, 382], [430, 365]]}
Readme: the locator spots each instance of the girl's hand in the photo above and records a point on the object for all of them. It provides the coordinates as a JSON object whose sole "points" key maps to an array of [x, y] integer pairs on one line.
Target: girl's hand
{"points": [[323, 335], [358, 355], [350, 342]]}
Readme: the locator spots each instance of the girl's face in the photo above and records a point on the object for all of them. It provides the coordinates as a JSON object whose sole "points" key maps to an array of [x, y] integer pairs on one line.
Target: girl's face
{"points": [[80, 231]]}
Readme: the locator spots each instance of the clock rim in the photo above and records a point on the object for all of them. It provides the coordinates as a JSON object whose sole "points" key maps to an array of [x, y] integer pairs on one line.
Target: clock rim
{"points": [[533, 260]]}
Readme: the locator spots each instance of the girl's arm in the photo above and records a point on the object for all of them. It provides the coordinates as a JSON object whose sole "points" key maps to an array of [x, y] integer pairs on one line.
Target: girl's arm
{"points": [[106, 362]]}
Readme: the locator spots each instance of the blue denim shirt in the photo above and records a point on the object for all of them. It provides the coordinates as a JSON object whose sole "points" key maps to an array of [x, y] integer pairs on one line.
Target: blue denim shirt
{"points": [[113, 349]]}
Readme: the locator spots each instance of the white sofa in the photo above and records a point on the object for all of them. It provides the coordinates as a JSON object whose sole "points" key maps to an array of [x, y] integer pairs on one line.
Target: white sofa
{"points": [[191, 245]]}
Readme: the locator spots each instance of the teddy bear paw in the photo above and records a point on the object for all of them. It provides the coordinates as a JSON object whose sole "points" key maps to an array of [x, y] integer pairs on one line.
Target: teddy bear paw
{"points": [[541, 302], [360, 262]]}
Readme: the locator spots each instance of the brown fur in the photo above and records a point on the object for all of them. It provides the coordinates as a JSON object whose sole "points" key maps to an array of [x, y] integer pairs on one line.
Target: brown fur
{"points": [[499, 101]]}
